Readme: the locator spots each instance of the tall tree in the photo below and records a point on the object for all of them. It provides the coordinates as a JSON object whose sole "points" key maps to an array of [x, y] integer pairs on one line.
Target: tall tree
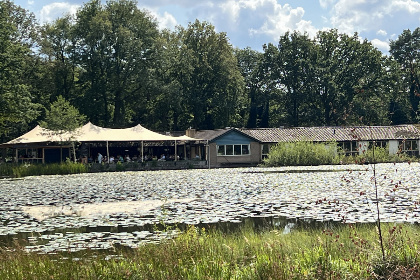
{"points": [[345, 68], [17, 36], [116, 52], [296, 74], [58, 48], [249, 62], [211, 78], [406, 50]]}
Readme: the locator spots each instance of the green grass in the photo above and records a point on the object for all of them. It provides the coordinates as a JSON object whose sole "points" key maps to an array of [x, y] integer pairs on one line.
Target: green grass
{"points": [[345, 252], [22, 170], [307, 153], [302, 153]]}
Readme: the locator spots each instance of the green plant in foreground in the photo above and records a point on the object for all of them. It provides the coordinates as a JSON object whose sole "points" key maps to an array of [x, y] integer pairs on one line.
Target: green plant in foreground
{"points": [[302, 153], [22, 170], [340, 252]]}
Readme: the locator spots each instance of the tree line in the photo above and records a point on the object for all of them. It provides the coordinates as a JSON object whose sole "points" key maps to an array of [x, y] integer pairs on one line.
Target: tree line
{"points": [[112, 63]]}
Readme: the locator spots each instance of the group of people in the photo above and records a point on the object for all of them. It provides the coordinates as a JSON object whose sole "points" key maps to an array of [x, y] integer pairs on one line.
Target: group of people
{"points": [[100, 158]]}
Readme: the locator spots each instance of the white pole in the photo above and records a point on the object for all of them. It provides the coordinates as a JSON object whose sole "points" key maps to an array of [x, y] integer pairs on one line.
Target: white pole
{"points": [[208, 153], [175, 151], [107, 151], [142, 152]]}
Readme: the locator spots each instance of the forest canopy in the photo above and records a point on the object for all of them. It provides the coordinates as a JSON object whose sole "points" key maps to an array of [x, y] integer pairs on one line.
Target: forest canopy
{"points": [[113, 65]]}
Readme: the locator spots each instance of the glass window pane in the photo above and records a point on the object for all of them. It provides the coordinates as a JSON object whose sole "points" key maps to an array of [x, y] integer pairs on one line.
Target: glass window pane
{"points": [[229, 150], [237, 150], [265, 149], [414, 145], [245, 149], [221, 150]]}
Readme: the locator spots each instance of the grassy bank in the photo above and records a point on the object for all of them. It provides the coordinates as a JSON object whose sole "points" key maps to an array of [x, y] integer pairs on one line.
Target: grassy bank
{"points": [[22, 170], [346, 252]]}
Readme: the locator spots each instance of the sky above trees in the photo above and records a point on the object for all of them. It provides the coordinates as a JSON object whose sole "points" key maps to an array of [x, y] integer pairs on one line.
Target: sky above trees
{"points": [[252, 23]]}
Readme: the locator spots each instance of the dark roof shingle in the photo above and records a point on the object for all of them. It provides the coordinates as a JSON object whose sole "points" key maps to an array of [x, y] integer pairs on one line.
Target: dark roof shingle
{"points": [[338, 133]]}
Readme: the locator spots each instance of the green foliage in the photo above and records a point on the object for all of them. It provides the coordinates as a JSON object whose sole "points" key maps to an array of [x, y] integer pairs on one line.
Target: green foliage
{"points": [[302, 153], [113, 64], [340, 252], [406, 51], [379, 155], [17, 34], [23, 170], [62, 117]]}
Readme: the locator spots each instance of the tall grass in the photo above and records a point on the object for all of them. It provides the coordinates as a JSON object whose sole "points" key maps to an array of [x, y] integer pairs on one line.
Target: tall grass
{"points": [[308, 153], [380, 155], [22, 170], [344, 252], [302, 153]]}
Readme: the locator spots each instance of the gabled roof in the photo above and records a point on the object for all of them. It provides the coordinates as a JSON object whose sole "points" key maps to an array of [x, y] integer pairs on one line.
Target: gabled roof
{"points": [[212, 135], [334, 133]]}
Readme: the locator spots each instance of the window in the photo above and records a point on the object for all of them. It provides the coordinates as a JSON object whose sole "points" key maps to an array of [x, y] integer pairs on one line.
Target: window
{"points": [[265, 149], [233, 150], [349, 148], [409, 147], [378, 144]]}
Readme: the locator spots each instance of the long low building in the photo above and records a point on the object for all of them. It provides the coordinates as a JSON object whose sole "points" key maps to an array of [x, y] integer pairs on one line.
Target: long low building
{"points": [[218, 147], [233, 146]]}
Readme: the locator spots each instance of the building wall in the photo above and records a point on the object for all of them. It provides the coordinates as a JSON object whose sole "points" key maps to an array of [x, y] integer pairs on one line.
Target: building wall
{"points": [[363, 147], [393, 147], [219, 161]]}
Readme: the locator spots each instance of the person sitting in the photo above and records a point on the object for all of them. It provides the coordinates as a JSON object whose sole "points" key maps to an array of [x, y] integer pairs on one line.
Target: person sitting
{"points": [[127, 158], [162, 158], [111, 159]]}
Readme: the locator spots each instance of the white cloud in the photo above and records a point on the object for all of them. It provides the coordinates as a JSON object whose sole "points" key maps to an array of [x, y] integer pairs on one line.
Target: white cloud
{"points": [[55, 10], [366, 16], [381, 32], [165, 21], [381, 45], [263, 17], [326, 3]]}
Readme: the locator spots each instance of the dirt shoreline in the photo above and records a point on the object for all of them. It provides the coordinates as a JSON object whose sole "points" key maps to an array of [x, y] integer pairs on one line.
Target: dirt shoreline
{"points": [[98, 209]]}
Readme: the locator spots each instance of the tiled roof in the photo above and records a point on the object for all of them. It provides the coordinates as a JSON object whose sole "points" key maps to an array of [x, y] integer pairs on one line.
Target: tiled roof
{"points": [[338, 133], [210, 134]]}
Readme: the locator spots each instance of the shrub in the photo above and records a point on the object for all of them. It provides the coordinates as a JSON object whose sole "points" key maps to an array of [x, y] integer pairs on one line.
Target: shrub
{"points": [[22, 170], [302, 153]]}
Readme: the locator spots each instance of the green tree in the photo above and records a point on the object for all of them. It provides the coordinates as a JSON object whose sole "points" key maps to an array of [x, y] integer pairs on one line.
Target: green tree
{"points": [[295, 75], [116, 50], [58, 48], [18, 31], [62, 117], [345, 68], [211, 79], [249, 62], [406, 51]]}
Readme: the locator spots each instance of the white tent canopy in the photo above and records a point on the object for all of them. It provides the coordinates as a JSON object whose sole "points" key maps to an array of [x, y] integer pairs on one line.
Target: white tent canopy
{"points": [[93, 133]]}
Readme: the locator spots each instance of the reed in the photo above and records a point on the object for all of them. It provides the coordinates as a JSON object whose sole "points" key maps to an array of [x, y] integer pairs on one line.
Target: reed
{"points": [[339, 252], [22, 170]]}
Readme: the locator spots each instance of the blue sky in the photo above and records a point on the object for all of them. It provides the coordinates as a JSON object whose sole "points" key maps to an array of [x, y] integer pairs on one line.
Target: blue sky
{"points": [[256, 22]]}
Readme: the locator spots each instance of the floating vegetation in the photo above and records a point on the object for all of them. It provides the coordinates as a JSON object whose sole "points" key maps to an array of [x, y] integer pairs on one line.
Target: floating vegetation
{"points": [[104, 209]]}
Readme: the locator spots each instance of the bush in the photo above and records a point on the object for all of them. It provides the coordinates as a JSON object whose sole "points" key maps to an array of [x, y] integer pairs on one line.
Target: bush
{"points": [[22, 170], [302, 153]]}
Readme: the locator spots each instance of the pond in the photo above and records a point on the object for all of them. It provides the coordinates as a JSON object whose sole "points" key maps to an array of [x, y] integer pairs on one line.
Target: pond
{"points": [[102, 210]]}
